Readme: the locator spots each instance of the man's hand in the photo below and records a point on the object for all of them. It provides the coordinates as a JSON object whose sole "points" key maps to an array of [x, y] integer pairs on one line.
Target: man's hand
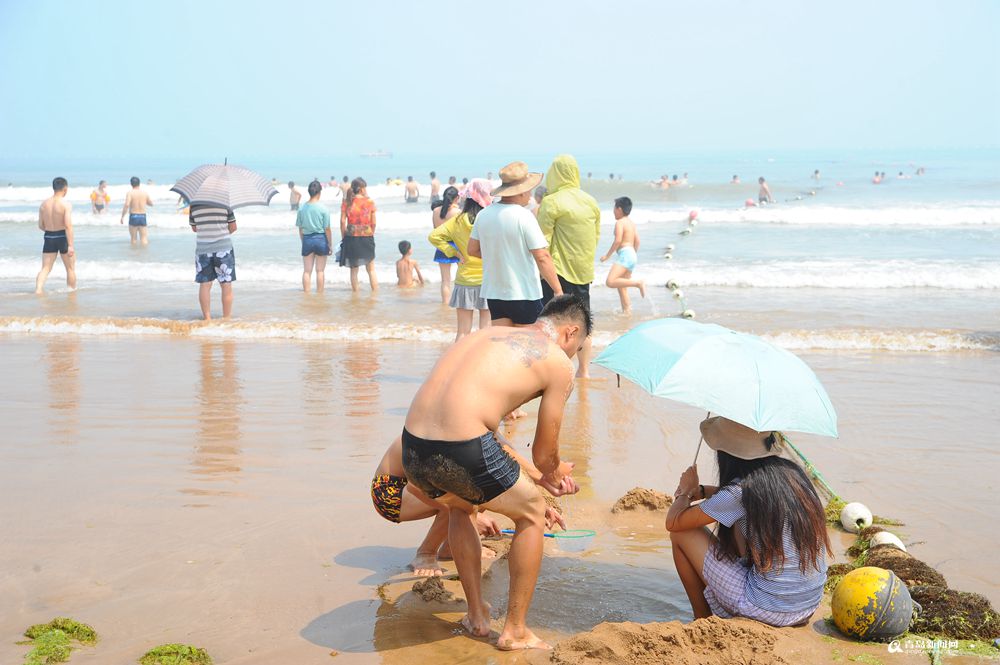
{"points": [[486, 526], [559, 481], [552, 516], [70, 251]]}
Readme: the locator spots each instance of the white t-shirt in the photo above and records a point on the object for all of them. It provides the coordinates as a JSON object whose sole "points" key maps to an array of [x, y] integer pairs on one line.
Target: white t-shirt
{"points": [[507, 233]]}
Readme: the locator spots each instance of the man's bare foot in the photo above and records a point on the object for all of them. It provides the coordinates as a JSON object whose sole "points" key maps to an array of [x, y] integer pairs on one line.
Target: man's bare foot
{"points": [[642, 288], [478, 627], [425, 565], [528, 640]]}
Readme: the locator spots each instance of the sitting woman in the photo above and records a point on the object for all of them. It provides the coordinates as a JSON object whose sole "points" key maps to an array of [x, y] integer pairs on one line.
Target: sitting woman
{"points": [[768, 561]]}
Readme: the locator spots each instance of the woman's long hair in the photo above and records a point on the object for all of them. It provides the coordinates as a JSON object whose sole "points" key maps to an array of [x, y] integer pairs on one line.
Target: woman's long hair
{"points": [[471, 208], [776, 494], [356, 186], [447, 199]]}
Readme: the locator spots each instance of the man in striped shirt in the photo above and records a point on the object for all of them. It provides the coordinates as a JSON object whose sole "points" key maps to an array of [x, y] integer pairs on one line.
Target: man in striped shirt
{"points": [[214, 255]]}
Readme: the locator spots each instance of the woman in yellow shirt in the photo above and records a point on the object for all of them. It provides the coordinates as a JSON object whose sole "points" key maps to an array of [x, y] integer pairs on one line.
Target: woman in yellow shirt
{"points": [[465, 296]]}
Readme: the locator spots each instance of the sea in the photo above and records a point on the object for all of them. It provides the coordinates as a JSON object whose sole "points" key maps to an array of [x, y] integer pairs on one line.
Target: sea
{"points": [[172, 480]]}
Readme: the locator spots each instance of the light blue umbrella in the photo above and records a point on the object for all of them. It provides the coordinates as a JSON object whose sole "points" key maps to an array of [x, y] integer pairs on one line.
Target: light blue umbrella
{"points": [[732, 374]]}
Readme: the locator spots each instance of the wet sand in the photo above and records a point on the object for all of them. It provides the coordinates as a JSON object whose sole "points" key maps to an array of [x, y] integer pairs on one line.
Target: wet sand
{"points": [[215, 492]]}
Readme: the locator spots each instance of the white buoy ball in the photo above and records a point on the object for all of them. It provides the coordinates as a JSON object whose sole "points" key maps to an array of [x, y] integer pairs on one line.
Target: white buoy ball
{"points": [[678, 294], [670, 248], [672, 285], [855, 516], [886, 538], [693, 222], [688, 314], [668, 256]]}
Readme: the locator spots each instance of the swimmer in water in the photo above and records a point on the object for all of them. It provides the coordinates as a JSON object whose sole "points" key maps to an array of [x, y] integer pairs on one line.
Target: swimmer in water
{"points": [[735, 180], [412, 191], [764, 193], [99, 198]]}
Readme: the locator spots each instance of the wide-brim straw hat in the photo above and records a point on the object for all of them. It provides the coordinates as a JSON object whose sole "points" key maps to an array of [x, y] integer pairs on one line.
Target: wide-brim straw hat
{"points": [[516, 180], [736, 439]]}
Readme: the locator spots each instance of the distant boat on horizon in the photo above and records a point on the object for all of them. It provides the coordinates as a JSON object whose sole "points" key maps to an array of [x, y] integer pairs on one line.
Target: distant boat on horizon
{"points": [[378, 154]]}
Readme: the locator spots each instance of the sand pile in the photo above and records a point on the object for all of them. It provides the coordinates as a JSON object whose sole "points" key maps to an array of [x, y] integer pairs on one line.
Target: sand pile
{"points": [[640, 498], [499, 544], [552, 502], [711, 640], [431, 590], [954, 614]]}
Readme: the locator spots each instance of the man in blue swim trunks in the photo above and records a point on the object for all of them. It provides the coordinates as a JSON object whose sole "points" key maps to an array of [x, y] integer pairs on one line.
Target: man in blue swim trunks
{"points": [[452, 454], [135, 205], [55, 220]]}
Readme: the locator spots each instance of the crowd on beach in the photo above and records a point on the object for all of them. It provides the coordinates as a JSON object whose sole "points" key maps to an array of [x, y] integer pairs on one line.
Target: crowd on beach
{"points": [[525, 254]]}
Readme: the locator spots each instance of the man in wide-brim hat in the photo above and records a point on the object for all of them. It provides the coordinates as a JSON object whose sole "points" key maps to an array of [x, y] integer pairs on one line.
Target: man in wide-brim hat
{"points": [[514, 251]]}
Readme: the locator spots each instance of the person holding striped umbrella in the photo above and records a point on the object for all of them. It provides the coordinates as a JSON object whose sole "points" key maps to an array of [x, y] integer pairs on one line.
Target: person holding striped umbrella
{"points": [[213, 191]]}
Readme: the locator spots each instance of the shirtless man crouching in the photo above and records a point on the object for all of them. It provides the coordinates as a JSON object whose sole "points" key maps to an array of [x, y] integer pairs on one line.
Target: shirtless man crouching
{"points": [[452, 454]]}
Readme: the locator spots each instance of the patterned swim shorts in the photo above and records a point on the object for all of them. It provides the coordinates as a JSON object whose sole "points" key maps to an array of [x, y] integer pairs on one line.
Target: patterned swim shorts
{"points": [[387, 496], [215, 266]]}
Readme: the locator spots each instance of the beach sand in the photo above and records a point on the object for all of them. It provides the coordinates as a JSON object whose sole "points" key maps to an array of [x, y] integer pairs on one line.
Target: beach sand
{"points": [[215, 492]]}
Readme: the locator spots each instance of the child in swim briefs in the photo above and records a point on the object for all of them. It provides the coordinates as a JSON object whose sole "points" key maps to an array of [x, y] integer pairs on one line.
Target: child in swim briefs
{"points": [[387, 496]]}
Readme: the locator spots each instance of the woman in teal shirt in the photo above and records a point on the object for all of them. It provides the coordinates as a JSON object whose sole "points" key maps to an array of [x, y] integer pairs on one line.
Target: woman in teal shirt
{"points": [[313, 220]]}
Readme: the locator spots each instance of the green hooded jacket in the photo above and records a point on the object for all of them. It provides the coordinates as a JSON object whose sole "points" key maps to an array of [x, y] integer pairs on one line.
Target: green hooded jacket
{"points": [[571, 222]]}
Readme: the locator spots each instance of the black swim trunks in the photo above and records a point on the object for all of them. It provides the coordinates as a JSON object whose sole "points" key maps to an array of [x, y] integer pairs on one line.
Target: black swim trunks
{"points": [[520, 312], [55, 241], [477, 470], [569, 289]]}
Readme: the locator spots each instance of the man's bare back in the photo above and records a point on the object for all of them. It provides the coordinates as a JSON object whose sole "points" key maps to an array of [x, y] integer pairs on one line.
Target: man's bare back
{"points": [[487, 375], [53, 213], [136, 201]]}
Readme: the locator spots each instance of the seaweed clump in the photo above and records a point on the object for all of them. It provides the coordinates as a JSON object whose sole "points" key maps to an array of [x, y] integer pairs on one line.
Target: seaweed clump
{"points": [[837, 504], [834, 574], [81, 632], [176, 654], [52, 642], [911, 570], [954, 614]]}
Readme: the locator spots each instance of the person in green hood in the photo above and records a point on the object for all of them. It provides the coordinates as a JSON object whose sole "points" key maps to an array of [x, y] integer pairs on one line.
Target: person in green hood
{"points": [[571, 222]]}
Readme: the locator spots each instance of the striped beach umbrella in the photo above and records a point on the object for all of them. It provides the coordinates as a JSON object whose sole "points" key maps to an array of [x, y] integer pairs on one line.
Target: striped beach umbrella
{"points": [[225, 185]]}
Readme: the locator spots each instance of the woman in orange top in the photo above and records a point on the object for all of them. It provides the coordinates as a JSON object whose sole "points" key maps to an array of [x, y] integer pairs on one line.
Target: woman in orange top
{"points": [[357, 232]]}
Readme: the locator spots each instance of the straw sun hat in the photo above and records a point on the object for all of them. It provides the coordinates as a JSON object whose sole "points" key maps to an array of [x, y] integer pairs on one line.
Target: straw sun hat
{"points": [[736, 439], [516, 180]]}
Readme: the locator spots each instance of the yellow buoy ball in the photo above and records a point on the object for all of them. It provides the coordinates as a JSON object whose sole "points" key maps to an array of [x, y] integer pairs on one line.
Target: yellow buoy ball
{"points": [[872, 604]]}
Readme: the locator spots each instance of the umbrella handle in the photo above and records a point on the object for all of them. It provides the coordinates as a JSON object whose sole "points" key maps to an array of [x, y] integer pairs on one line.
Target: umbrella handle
{"points": [[700, 440]]}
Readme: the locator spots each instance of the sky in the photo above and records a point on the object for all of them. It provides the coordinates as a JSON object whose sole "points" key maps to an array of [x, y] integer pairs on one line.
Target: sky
{"points": [[184, 78]]}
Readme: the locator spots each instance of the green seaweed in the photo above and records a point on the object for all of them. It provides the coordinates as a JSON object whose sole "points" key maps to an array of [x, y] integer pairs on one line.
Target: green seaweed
{"points": [[865, 658], [176, 654], [833, 509], [51, 646], [836, 505], [81, 632]]}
